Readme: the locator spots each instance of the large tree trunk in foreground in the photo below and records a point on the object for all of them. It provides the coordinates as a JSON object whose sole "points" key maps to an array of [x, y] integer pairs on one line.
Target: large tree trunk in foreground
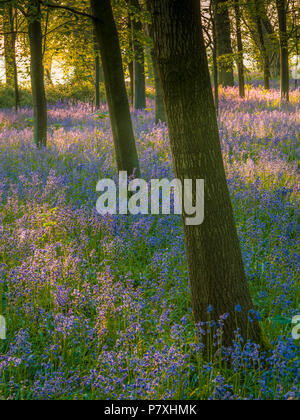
{"points": [[215, 263], [10, 52], [107, 36], [139, 61], [284, 51], [240, 49], [225, 53], [37, 75]]}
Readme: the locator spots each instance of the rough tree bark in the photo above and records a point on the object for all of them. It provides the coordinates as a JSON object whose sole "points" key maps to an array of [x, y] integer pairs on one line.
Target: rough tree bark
{"points": [[240, 48], [37, 74], [284, 51], [10, 51], [107, 37], [225, 53], [215, 263]]}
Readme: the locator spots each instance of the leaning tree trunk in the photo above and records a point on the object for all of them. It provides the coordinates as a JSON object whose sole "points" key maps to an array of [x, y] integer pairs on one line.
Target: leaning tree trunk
{"points": [[139, 61], [284, 51], [240, 49], [107, 36], [37, 74], [10, 52], [225, 53], [215, 263]]}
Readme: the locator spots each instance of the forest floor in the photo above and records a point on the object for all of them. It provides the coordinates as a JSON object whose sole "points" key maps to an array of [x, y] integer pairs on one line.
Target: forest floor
{"points": [[100, 307]]}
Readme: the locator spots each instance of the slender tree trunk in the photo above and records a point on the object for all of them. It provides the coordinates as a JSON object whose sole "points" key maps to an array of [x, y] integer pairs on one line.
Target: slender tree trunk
{"points": [[295, 22], [215, 58], [107, 36], [130, 63], [48, 70], [10, 52], [264, 54], [97, 81], [284, 51], [215, 263], [37, 74], [139, 83], [270, 45], [160, 114], [97, 73], [240, 49], [225, 53], [297, 53], [131, 75], [257, 14], [139, 61]]}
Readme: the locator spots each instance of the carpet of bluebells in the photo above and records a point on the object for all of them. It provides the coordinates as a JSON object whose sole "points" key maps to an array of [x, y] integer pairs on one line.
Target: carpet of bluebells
{"points": [[99, 307]]}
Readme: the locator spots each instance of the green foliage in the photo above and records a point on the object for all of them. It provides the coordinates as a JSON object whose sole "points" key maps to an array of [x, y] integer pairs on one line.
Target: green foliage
{"points": [[74, 92], [7, 97]]}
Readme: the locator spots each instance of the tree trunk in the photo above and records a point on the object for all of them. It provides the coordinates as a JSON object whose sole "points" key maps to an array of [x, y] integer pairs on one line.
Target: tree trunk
{"points": [[97, 73], [270, 40], [295, 21], [284, 51], [107, 36], [139, 84], [215, 263], [160, 113], [131, 75], [37, 75], [10, 52], [130, 62], [139, 61], [48, 70], [240, 49], [264, 52], [225, 53], [215, 57], [264, 37]]}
